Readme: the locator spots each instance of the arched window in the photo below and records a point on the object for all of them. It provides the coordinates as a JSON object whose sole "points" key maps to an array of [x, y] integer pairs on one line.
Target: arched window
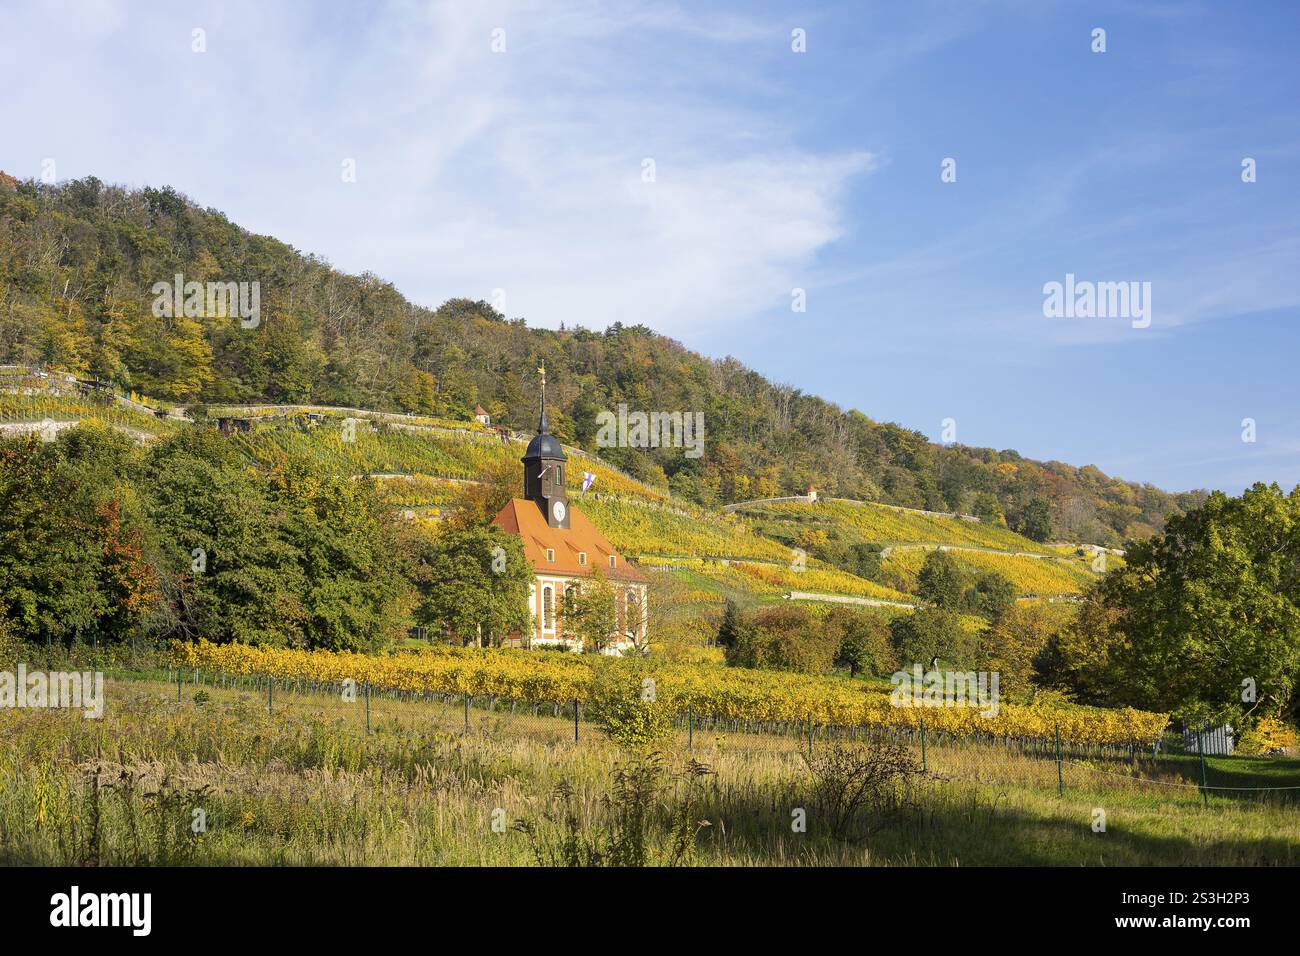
{"points": [[548, 608], [632, 621], [570, 599]]}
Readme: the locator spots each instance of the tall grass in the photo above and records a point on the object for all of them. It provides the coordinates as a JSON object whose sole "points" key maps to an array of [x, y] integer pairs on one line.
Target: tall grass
{"points": [[307, 785]]}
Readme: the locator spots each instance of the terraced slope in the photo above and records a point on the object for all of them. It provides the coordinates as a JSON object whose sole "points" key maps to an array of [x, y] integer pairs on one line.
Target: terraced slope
{"points": [[1037, 576], [19, 413], [867, 522], [425, 465]]}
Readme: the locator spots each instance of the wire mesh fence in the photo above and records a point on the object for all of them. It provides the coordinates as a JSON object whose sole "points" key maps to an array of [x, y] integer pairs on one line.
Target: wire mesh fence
{"points": [[1159, 775]]}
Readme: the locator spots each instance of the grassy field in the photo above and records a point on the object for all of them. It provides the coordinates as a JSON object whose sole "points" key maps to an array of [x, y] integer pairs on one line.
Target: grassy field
{"points": [[308, 785]]}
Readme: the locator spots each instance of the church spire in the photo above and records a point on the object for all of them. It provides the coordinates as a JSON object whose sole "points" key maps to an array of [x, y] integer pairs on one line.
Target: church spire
{"points": [[544, 425], [544, 464]]}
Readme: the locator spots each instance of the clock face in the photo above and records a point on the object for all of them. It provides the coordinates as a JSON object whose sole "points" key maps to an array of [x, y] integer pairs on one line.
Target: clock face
{"points": [[558, 509]]}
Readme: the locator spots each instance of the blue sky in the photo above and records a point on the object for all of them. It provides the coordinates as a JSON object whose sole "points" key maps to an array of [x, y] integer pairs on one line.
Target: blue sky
{"points": [[523, 171]]}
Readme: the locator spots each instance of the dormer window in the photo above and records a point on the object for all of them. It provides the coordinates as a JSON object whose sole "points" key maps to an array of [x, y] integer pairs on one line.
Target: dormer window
{"points": [[582, 558], [550, 555], [613, 561]]}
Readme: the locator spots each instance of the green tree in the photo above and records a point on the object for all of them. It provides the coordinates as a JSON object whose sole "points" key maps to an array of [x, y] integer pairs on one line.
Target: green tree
{"points": [[786, 637], [73, 561], [985, 507], [942, 581], [1014, 644], [863, 639], [354, 591], [1036, 520], [229, 555], [1076, 660], [990, 595], [591, 612], [474, 585], [729, 628], [930, 633], [1210, 610]]}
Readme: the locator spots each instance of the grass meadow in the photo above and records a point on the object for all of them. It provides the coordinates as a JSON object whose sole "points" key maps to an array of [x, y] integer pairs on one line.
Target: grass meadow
{"points": [[213, 779]]}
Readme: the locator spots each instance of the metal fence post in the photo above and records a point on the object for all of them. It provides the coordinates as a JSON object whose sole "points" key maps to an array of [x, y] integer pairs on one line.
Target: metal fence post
{"points": [[923, 743], [367, 708], [810, 734], [1200, 749], [467, 713], [178, 685], [1060, 773], [690, 729], [575, 720]]}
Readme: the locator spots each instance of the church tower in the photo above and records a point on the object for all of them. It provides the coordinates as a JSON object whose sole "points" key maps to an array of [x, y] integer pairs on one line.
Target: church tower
{"points": [[544, 466]]}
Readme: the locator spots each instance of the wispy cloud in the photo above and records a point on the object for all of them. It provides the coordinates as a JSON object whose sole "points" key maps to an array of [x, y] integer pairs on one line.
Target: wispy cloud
{"points": [[523, 170]]}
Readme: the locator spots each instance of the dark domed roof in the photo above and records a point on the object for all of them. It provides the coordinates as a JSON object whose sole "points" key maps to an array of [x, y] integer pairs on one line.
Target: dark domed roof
{"points": [[545, 446]]}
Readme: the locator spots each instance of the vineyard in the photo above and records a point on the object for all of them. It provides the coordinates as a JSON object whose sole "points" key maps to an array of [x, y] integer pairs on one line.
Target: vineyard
{"points": [[35, 408], [866, 521], [637, 529], [427, 462], [381, 451], [1029, 575], [399, 450], [774, 579], [712, 691], [414, 491]]}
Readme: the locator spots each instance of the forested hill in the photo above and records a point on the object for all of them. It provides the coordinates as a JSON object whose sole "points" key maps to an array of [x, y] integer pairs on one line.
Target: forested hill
{"points": [[78, 262]]}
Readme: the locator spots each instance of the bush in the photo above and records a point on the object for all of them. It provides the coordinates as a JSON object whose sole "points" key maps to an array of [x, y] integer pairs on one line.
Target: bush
{"points": [[10, 645], [790, 637], [859, 788], [624, 702], [1269, 736]]}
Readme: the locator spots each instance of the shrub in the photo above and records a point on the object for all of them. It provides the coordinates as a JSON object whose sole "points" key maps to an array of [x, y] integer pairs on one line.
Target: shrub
{"points": [[859, 788], [789, 637], [1269, 736], [10, 645], [625, 704]]}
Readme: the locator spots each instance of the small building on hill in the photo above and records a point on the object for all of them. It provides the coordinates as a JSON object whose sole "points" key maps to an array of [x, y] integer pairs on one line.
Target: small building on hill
{"points": [[481, 415], [565, 550]]}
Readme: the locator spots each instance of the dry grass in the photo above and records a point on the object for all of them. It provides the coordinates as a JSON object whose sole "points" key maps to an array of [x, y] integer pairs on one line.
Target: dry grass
{"points": [[307, 785]]}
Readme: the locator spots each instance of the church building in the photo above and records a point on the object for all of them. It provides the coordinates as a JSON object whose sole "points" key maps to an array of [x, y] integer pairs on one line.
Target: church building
{"points": [[564, 549]]}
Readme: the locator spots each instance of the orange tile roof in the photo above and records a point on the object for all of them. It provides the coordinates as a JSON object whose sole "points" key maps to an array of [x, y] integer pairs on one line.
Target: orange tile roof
{"points": [[525, 518]]}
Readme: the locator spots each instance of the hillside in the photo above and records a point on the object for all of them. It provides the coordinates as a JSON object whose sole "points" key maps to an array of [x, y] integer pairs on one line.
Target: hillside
{"points": [[754, 553], [78, 262]]}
